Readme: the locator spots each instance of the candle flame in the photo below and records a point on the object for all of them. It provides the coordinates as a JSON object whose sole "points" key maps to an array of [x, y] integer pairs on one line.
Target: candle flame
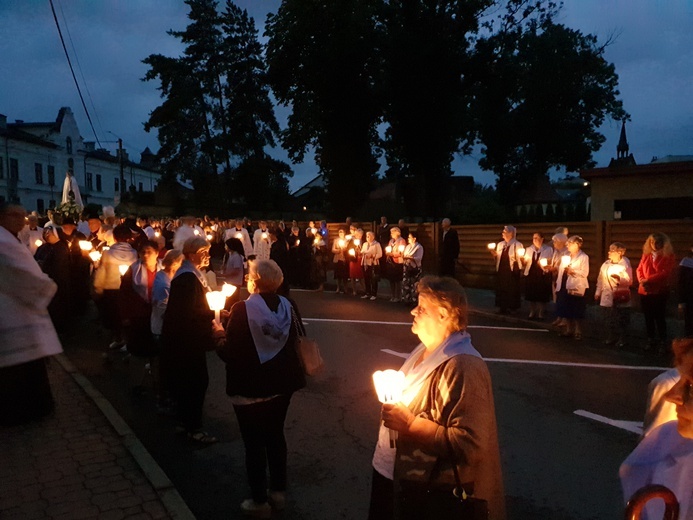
{"points": [[38, 243], [388, 249], [352, 252], [389, 385], [95, 256], [227, 290], [543, 262], [492, 245], [216, 300], [123, 269], [565, 260], [85, 245]]}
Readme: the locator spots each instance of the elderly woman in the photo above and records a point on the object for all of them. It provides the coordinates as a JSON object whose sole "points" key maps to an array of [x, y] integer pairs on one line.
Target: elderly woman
{"points": [[654, 274], [508, 267], [341, 268], [371, 253], [571, 285], [665, 456], [186, 336], [262, 373], [615, 274], [537, 278], [446, 415], [413, 261], [394, 253], [559, 251]]}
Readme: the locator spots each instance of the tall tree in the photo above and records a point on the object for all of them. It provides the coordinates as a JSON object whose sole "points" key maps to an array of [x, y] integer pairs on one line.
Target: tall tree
{"points": [[425, 57], [544, 92], [320, 57]]}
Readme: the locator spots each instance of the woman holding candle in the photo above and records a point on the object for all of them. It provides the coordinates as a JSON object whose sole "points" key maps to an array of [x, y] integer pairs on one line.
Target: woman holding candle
{"points": [[341, 268], [571, 285], [559, 251], [262, 373], [354, 254], [53, 257], [665, 455], [371, 253], [446, 415], [654, 273], [508, 254], [395, 263], [186, 336], [233, 267], [537, 277], [615, 274], [412, 257]]}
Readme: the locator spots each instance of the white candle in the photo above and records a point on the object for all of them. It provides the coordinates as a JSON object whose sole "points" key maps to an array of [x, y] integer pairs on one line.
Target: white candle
{"points": [[85, 245], [401, 248], [341, 243], [543, 262], [388, 249], [521, 251], [227, 289], [565, 260], [239, 236], [491, 246], [123, 269], [209, 236], [196, 231], [95, 256], [157, 234], [389, 385], [38, 243], [357, 242], [298, 242], [352, 252], [216, 301], [348, 237], [264, 236]]}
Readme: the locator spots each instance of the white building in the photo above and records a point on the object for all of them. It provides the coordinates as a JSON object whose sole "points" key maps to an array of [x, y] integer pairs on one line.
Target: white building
{"points": [[34, 158]]}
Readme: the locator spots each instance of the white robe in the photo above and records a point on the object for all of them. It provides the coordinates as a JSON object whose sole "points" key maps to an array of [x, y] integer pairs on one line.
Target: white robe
{"points": [[26, 329]]}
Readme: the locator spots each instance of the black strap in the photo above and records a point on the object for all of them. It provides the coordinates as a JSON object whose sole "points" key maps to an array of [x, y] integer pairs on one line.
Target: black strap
{"points": [[458, 482]]}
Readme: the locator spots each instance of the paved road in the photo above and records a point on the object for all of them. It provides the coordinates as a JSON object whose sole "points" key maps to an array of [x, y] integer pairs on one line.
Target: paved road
{"points": [[557, 465]]}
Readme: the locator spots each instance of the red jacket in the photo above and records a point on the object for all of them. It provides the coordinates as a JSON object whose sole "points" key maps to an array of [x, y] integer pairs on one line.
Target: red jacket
{"points": [[656, 272]]}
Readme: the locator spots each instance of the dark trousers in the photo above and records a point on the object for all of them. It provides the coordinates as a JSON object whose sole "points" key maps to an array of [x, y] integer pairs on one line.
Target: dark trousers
{"points": [[189, 393], [262, 430], [654, 309], [371, 279], [382, 498], [25, 393]]}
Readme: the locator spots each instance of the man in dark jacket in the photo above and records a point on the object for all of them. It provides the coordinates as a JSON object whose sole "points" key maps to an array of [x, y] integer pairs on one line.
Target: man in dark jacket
{"points": [[449, 250]]}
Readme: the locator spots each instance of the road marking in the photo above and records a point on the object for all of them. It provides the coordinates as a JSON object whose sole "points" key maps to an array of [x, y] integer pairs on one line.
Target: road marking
{"points": [[552, 363], [408, 324], [630, 426]]}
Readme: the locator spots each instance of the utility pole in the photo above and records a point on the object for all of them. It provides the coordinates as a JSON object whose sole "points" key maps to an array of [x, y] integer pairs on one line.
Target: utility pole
{"points": [[120, 164]]}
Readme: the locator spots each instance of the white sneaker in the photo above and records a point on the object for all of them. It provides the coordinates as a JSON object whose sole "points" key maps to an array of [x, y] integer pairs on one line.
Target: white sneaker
{"points": [[364, 296], [373, 298], [251, 508]]}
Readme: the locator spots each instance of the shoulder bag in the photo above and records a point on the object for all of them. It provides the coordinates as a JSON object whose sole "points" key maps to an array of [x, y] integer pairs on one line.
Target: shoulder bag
{"points": [[307, 349], [440, 503]]}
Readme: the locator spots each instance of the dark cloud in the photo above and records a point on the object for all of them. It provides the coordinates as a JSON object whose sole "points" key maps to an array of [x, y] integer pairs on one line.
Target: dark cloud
{"points": [[652, 51]]}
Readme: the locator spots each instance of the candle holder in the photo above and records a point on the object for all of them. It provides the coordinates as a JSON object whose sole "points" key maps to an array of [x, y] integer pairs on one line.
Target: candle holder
{"points": [[216, 301], [389, 385]]}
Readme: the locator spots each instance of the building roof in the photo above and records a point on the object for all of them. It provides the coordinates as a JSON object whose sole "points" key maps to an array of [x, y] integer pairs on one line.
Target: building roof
{"points": [[13, 131], [654, 168], [317, 182]]}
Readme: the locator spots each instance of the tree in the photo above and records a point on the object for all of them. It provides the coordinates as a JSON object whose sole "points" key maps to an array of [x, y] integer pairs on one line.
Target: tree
{"points": [[320, 59], [425, 59], [543, 91]]}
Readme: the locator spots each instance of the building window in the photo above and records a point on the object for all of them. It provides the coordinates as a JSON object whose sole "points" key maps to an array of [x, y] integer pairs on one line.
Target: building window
{"points": [[51, 203], [116, 185], [38, 173], [14, 169], [90, 181], [68, 145], [71, 165], [98, 182], [40, 206], [50, 169], [141, 187]]}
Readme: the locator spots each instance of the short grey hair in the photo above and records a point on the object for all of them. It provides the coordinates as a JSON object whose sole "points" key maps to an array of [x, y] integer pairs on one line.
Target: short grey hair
{"points": [[266, 274], [194, 244]]}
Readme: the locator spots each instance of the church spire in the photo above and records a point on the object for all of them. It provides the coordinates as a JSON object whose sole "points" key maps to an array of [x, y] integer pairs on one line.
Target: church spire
{"points": [[622, 148]]}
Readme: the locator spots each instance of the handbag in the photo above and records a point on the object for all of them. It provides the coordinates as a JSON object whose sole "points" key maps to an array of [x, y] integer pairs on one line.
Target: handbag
{"points": [[307, 350], [426, 503]]}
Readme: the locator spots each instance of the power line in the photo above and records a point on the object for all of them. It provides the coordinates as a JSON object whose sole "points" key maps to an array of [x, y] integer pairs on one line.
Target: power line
{"points": [[72, 70], [81, 72]]}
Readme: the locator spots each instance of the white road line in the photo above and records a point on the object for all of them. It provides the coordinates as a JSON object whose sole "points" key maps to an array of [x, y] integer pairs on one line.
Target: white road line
{"points": [[631, 426], [408, 324], [552, 363]]}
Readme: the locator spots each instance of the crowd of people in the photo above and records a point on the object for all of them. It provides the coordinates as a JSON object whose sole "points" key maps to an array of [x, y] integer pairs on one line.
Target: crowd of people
{"points": [[150, 280], [559, 273]]}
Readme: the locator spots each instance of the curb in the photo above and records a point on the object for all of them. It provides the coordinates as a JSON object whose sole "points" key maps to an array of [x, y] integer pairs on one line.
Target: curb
{"points": [[169, 496]]}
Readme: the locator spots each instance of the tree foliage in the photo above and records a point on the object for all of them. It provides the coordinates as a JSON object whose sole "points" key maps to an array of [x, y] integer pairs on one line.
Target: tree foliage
{"points": [[320, 59], [216, 107], [543, 92]]}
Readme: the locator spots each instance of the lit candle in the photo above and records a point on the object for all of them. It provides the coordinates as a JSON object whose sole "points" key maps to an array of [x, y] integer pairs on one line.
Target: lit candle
{"points": [[388, 249], [389, 385], [95, 256], [565, 260], [157, 234], [615, 270], [341, 243], [491, 246], [521, 251], [401, 248], [313, 230], [239, 236], [264, 236], [227, 289], [357, 242], [85, 245], [209, 236], [352, 252], [216, 301], [348, 237], [543, 262], [298, 242], [38, 243], [106, 248], [196, 231], [123, 269]]}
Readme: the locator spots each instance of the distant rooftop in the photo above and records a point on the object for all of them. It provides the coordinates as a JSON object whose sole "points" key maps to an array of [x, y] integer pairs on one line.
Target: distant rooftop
{"points": [[672, 159]]}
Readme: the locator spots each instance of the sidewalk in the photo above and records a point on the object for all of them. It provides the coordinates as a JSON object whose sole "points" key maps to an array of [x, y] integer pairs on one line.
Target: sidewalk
{"points": [[82, 461]]}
